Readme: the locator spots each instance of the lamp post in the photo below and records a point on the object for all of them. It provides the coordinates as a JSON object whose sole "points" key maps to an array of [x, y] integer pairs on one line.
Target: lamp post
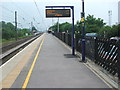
{"points": [[83, 32]]}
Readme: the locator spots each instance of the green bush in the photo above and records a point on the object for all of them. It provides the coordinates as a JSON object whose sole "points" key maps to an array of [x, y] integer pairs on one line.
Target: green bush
{"points": [[8, 31]]}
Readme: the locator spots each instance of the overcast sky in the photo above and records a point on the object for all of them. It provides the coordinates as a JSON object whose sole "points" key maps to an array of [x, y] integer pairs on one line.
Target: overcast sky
{"points": [[28, 12]]}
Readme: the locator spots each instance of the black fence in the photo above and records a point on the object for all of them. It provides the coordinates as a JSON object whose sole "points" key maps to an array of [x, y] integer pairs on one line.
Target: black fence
{"points": [[104, 52]]}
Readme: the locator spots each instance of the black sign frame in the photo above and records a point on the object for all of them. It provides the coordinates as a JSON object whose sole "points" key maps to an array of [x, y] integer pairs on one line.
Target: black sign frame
{"points": [[58, 13]]}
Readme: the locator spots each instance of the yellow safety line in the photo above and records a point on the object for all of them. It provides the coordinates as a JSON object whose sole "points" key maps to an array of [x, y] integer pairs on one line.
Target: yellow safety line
{"points": [[32, 66]]}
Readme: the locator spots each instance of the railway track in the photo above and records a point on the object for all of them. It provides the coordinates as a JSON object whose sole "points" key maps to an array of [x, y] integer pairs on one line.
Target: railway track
{"points": [[10, 50]]}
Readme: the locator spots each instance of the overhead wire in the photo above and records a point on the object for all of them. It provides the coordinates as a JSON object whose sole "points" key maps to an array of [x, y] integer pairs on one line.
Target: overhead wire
{"points": [[13, 13], [9, 19], [22, 10], [25, 19], [10, 11], [25, 13], [7, 9], [39, 13], [21, 16]]}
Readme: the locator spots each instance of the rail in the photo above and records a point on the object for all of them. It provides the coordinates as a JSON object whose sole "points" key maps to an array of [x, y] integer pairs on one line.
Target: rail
{"points": [[10, 50]]}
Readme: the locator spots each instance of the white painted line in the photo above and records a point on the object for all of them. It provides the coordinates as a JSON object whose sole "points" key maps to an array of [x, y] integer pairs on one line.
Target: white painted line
{"points": [[7, 67]]}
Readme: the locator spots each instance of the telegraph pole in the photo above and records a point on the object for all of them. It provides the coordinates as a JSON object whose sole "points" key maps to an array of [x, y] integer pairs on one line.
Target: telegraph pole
{"points": [[83, 31], [16, 25]]}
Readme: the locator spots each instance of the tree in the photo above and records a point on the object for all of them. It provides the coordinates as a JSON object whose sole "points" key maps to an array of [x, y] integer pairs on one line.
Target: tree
{"points": [[108, 31], [93, 25], [34, 29], [116, 30], [105, 31], [22, 32], [8, 31], [78, 27], [64, 27]]}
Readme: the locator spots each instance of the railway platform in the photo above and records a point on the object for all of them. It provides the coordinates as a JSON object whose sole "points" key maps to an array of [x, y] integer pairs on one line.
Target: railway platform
{"points": [[47, 63]]}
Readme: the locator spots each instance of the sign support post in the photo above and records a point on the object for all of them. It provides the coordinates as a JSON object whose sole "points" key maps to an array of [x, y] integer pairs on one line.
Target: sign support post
{"points": [[73, 31]]}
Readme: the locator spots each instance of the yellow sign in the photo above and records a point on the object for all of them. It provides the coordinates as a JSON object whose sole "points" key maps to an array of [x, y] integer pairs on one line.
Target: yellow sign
{"points": [[82, 19]]}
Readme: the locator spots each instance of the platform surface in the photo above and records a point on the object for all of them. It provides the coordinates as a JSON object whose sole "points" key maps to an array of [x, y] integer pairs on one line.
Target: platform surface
{"points": [[55, 67]]}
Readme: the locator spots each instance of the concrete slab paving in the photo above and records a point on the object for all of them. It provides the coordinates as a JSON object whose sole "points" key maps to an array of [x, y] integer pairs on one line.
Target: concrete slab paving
{"points": [[57, 68], [12, 68], [54, 70]]}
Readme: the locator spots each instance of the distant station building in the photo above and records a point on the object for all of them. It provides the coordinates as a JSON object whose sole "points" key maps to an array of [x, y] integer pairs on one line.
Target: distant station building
{"points": [[119, 12]]}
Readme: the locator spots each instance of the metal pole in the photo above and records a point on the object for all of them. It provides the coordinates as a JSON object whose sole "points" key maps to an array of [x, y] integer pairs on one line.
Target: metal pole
{"points": [[73, 44], [58, 24], [52, 24], [83, 32], [16, 25], [31, 25]]}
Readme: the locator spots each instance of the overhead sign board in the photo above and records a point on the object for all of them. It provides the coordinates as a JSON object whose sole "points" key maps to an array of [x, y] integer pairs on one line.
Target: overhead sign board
{"points": [[57, 13]]}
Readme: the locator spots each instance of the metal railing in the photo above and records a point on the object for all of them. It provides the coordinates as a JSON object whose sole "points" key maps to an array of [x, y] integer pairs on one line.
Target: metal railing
{"points": [[104, 52]]}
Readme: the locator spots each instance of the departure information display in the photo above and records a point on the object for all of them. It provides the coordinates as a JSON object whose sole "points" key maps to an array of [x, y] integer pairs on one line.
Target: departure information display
{"points": [[58, 13]]}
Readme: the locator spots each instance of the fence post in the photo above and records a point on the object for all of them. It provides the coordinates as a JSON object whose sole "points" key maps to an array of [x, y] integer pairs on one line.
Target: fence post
{"points": [[118, 62], [96, 50], [64, 37], [60, 36], [76, 42]]}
